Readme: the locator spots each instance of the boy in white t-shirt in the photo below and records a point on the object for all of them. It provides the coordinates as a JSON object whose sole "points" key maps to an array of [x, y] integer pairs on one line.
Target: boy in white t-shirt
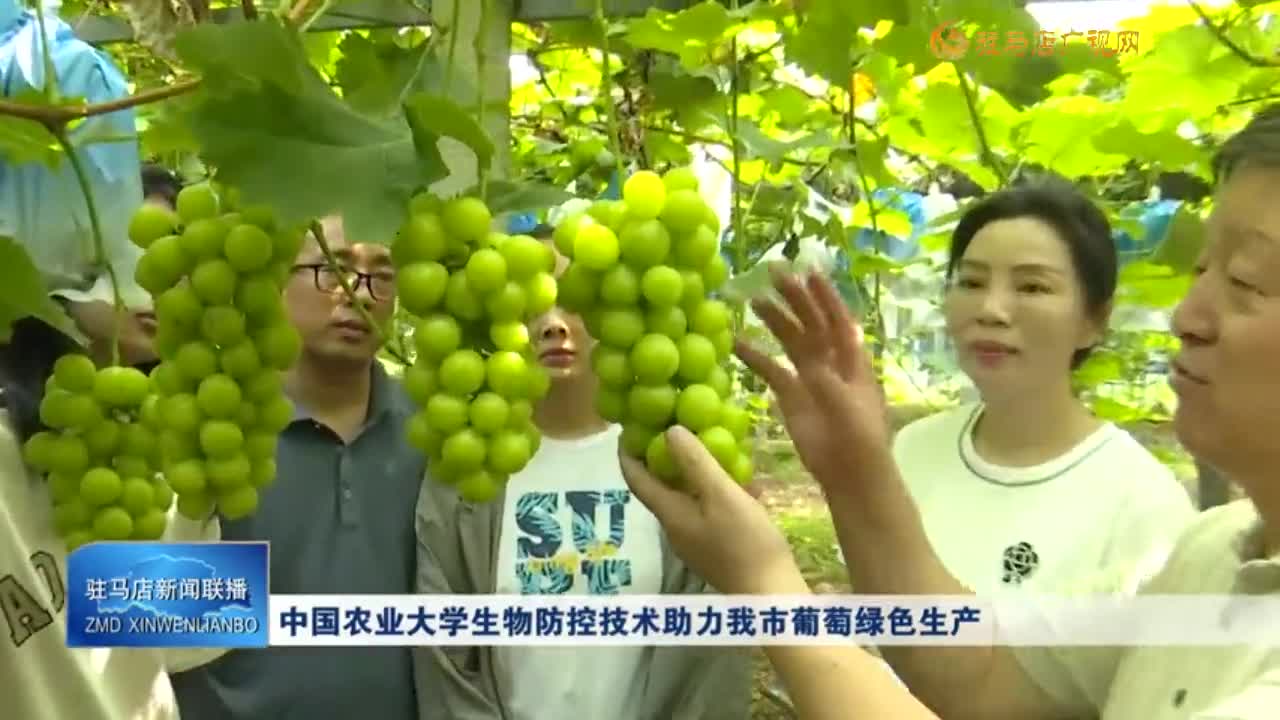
{"points": [[566, 525]]}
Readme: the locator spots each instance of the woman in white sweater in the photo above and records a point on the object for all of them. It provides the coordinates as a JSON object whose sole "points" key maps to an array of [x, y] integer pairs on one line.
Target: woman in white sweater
{"points": [[1027, 488], [40, 677]]}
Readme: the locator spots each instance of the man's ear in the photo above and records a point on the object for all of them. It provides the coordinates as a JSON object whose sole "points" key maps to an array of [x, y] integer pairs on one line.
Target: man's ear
{"points": [[1099, 321]]}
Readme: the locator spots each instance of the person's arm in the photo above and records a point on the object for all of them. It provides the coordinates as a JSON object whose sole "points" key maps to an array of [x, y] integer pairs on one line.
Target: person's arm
{"points": [[838, 682], [887, 552], [182, 529], [450, 681], [698, 682], [837, 416], [1257, 701]]}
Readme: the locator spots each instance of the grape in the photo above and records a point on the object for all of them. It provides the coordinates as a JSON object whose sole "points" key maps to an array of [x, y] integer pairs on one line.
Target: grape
{"points": [[471, 292], [207, 435], [640, 273], [97, 457]]}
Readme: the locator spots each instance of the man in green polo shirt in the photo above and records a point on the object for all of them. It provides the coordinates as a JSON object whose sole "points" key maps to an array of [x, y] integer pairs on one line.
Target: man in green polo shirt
{"points": [[339, 516]]}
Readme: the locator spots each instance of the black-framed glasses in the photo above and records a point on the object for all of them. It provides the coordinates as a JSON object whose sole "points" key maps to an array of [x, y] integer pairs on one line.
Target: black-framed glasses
{"points": [[328, 279]]}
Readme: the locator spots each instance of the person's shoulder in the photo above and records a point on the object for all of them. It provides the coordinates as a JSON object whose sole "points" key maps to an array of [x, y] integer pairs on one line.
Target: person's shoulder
{"points": [[397, 398], [1221, 527], [1135, 470]]}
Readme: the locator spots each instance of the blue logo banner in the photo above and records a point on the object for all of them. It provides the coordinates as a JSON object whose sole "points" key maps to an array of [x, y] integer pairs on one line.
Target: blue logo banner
{"points": [[142, 594]]}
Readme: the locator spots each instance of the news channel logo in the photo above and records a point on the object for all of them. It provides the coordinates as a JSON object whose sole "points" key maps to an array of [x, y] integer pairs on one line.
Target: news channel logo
{"points": [[162, 595]]}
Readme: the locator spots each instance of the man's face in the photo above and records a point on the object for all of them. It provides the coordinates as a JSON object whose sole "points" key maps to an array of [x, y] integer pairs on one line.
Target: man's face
{"points": [[159, 200], [329, 323], [97, 319], [1227, 375]]}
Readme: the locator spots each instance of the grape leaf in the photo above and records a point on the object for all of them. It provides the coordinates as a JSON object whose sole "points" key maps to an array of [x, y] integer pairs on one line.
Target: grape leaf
{"points": [[274, 129], [434, 116], [25, 294], [25, 141], [503, 196], [687, 34], [377, 76]]}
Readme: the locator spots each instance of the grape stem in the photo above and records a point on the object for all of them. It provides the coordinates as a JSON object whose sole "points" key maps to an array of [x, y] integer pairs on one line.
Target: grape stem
{"points": [[324, 8], [46, 57], [736, 221], [99, 242], [318, 231], [481, 171], [453, 45], [52, 116], [606, 88], [59, 131]]}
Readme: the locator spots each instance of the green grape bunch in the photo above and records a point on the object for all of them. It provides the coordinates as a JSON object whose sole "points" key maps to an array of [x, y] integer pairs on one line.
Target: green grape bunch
{"points": [[216, 271], [640, 274], [99, 454], [474, 379]]}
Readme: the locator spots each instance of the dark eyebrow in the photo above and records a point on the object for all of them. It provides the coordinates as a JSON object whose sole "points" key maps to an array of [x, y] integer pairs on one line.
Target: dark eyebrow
{"points": [[1024, 267]]}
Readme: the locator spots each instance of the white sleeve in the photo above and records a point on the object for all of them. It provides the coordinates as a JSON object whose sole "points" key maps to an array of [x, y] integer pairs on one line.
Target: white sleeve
{"points": [[1146, 531], [183, 529], [1258, 701]]}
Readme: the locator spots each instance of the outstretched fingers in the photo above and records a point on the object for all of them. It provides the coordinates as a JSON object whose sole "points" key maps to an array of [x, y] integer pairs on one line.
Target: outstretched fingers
{"points": [[780, 379], [846, 333], [802, 304]]}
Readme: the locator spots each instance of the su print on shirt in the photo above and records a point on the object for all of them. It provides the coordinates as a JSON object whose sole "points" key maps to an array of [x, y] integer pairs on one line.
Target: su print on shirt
{"points": [[23, 613], [545, 567]]}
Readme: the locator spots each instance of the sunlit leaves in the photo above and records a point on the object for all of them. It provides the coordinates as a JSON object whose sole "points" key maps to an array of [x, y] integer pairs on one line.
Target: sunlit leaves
{"points": [[689, 34], [1161, 147], [1189, 59], [1053, 132], [1153, 286]]}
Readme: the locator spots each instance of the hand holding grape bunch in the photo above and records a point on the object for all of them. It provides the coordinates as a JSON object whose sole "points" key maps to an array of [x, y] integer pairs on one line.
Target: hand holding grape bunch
{"points": [[640, 273], [474, 378]]}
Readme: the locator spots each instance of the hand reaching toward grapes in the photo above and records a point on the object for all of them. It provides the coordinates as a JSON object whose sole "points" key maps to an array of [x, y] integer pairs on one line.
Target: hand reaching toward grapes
{"points": [[831, 403], [714, 524]]}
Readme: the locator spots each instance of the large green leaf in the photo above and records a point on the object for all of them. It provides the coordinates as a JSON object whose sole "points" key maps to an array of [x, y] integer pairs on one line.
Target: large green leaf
{"points": [[503, 196], [273, 128], [1190, 59], [436, 116], [761, 145], [823, 44], [686, 34], [25, 294], [24, 141], [1053, 132], [1163, 147]]}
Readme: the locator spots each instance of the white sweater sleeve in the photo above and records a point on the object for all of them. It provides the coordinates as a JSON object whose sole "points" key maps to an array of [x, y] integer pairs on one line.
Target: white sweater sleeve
{"points": [[181, 530], [42, 677]]}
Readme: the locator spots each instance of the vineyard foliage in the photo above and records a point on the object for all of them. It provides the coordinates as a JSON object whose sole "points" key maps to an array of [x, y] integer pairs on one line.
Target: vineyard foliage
{"points": [[812, 105]]}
